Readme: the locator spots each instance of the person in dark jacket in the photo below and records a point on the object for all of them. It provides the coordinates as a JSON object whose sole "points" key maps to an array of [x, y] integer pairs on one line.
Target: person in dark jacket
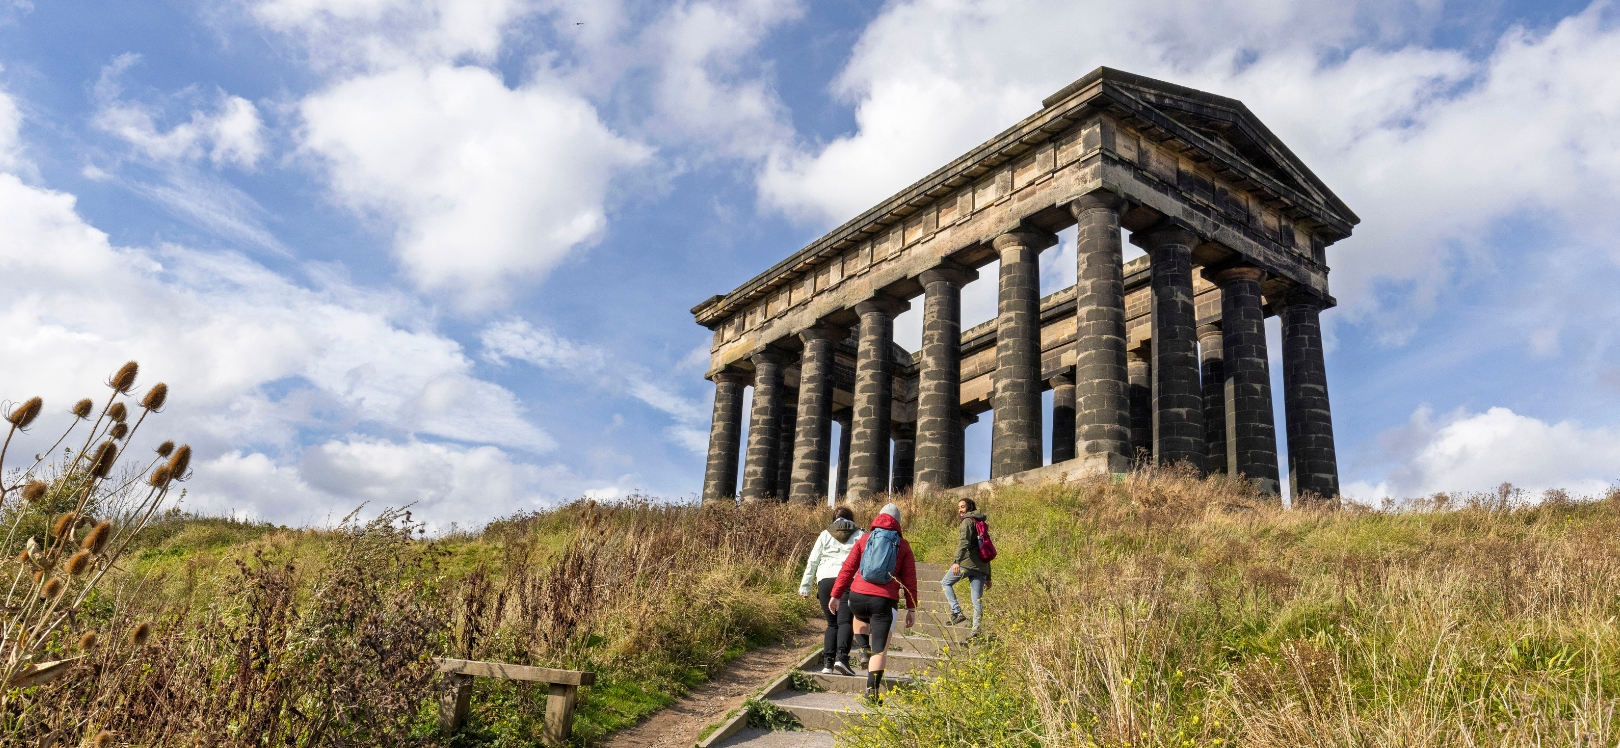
{"points": [[968, 564], [820, 570], [873, 604]]}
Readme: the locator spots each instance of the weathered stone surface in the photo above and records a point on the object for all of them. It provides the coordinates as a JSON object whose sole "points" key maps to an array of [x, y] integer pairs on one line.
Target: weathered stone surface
{"points": [[786, 442], [725, 437], [1210, 350], [813, 430], [1139, 364], [939, 385], [759, 465], [1313, 466], [1016, 438], [905, 458], [1063, 429], [1102, 397], [1178, 403], [874, 375], [1251, 433]]}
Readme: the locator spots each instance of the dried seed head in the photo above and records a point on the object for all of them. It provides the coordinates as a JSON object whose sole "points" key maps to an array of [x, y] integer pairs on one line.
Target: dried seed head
{"points": [[179, 462], [140, 634], [82, 408], [22, 558], [119, 431], [25, 413], [161, 476], [89, 640], [64, 523], [165, 449], [124, 378], [38, 575], [52, 587], [102, 463], [79, 563], [102, 739], [97, 539], [155, 397], [34, 491], [118, 413]]}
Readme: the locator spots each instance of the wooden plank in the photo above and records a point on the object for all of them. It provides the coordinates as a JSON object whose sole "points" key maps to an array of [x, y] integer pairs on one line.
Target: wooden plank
{"points": [[455, 703], [516, 672], [560, 714]]}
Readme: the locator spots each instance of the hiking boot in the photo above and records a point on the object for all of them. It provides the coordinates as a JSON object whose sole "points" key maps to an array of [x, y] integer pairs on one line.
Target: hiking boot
{"points": [[956, 618], [841, 668], [828, 670]]}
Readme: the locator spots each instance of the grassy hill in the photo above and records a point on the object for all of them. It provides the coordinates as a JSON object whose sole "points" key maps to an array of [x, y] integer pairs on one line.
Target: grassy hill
{"points": [[1157, 611]]}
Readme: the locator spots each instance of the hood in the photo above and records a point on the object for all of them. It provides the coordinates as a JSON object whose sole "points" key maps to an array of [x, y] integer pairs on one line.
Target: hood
{"points": [[976, 515], [887, 521], [841, 529]]}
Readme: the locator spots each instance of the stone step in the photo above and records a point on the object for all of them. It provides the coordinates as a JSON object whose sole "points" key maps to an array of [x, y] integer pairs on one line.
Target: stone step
{"points": [[855, 684], [825, 710], [902, 662], [754, 737]]}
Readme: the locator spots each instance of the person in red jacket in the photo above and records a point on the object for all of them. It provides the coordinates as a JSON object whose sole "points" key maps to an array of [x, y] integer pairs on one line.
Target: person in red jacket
{"points": [[873, 603]]}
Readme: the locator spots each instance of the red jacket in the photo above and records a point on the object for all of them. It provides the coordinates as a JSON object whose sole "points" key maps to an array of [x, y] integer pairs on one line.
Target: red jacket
{"points": [[905, 568]]}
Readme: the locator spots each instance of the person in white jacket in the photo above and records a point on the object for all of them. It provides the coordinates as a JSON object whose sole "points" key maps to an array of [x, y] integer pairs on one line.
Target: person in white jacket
{"points": [[826, 558]]}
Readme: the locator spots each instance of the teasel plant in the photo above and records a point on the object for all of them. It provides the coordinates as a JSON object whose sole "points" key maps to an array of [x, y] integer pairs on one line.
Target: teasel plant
{"points": [[63, 550]]}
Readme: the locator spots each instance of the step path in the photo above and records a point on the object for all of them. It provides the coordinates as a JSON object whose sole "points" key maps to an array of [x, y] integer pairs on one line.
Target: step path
{"points": [[823, 713]]}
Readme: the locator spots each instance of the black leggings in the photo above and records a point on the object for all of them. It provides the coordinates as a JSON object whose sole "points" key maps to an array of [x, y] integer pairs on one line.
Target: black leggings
{"points": [[835, 642], [876, 611]]}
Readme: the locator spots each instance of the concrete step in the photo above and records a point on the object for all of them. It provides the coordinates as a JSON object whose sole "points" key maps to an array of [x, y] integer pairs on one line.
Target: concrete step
{"points": [[901, 662], [825, 710], [754, 737], [855, 684]]}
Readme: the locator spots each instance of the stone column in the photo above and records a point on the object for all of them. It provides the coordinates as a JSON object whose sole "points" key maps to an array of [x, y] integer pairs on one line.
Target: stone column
{"points": [[759, 465], [1313, 465], [1251, 434], [786, 424], [874, 384], [1211, 350], [1140, 366], [1102, 417], [967, 419], [1178, 405], [939, 378], [813, 429], [1015, 441], [905, 457], [725, 438], [844, 434], [1063, 430]]}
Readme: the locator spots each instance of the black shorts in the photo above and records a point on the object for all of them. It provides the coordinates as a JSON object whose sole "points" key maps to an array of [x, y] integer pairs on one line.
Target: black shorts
{"points": [[877, 611]]}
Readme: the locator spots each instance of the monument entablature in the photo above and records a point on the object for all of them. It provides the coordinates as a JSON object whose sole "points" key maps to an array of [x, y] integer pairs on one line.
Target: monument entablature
{"points": [[1236, 228]]}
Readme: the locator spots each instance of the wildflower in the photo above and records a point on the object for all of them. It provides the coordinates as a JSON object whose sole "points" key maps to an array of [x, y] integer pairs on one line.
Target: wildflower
{"points": [[82, 408], [139, 634], [25, 413], [101, 464], [89, 640], [34, 491], [97, 537], [118, 413], [124, 378], [155, 397], [78, 563], [165, 449], [161, 476]]}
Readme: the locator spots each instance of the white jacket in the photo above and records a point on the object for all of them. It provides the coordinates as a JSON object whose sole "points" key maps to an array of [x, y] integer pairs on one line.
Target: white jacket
{"points": [[826, 560]]}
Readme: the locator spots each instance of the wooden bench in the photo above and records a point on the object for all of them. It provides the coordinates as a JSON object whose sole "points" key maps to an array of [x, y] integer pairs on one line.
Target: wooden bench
{"points": [[455, 704]]}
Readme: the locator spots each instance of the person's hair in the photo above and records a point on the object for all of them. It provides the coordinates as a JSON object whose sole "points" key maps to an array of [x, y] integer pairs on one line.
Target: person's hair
{"points": [[972, 507], [843, 512]]}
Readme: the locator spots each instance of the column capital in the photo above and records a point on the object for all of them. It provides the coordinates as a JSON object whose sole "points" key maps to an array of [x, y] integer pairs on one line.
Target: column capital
{"points": [[885, 304], [1063, 378], [904, 431], [1168, 233], [1208, 331], [1303, 296], [1100, 200], [969, 419], [766, 356], [1223, 275], [1024, 238], [730, 374], [949, 272], [823, 331]]}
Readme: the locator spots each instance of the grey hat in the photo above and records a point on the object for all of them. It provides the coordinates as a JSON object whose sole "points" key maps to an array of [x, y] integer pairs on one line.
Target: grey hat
{"points": [[892, 511]]}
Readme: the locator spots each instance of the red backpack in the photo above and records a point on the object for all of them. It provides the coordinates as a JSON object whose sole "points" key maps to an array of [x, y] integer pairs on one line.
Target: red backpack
{"points": [[987, 547]]}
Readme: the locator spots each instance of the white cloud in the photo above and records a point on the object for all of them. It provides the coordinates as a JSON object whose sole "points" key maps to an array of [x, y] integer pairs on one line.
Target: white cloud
{"points": [[11, 158], [231, 134], [486, 183], [1464, 452], [386, 33]]}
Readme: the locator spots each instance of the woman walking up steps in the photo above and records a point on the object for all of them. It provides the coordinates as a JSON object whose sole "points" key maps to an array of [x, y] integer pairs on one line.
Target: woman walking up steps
{"points": [[820, 571]]}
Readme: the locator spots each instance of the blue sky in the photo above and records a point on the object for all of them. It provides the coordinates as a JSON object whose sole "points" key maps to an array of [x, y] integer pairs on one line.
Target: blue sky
{"points": [[442, 251]]}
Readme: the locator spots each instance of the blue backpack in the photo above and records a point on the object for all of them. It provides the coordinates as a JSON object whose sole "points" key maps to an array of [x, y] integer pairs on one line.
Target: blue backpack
{"points": [[882, 553]]}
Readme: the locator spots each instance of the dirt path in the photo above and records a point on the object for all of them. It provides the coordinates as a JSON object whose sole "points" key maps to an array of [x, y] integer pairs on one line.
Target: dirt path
{"points": [[678, 725]]}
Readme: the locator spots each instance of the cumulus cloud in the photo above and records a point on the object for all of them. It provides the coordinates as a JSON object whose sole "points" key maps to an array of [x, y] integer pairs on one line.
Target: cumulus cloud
{"points": [[230, 134], [11, 158], [1464, 451], [386, 33], [486, 183]]}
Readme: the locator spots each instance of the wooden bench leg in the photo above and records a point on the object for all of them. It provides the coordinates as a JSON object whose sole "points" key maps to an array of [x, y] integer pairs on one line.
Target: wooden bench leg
{"points": [[455, 703], [560, 714]]}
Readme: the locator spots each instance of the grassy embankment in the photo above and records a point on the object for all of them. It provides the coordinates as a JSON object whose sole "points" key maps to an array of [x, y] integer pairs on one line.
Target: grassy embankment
{"points": [[266, 635], [1165, 611]]}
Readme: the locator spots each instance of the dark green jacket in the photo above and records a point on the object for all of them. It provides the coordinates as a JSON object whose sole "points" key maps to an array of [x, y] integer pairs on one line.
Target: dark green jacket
{"points": [[967, 546]]}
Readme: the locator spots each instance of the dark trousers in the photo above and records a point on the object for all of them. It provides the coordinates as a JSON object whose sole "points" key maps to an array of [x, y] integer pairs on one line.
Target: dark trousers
{"points": [[840, 625]]}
